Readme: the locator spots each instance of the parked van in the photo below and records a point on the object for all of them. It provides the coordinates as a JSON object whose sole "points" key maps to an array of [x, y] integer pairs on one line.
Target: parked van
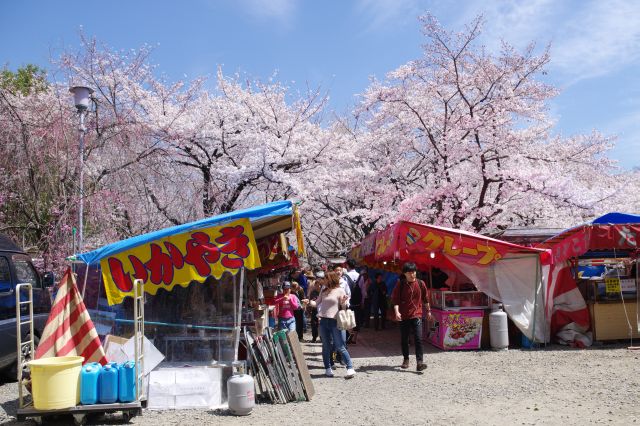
{"points": [[16, 268]]}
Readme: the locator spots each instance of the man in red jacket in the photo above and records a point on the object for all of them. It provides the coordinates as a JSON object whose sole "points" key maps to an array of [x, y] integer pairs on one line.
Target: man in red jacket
{"points": [[408, 297]]}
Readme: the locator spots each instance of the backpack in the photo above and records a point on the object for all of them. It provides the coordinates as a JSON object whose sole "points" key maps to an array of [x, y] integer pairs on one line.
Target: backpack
{"points": [[356, 295], [349, 281]]}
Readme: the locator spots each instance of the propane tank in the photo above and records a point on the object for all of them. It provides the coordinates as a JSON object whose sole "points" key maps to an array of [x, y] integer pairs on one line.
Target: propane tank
{"points": [[240, 391], [498, 328]]}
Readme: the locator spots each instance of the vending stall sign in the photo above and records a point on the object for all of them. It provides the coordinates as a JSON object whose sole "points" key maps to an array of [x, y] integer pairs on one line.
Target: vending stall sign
{"points": [[456, 330]]}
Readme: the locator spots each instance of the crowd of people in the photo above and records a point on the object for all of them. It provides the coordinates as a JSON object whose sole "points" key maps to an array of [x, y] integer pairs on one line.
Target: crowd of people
{"points": [[314, 299]]}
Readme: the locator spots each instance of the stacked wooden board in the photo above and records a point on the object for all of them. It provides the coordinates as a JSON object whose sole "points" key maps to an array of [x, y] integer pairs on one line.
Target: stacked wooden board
{"points": [[278, 367]]}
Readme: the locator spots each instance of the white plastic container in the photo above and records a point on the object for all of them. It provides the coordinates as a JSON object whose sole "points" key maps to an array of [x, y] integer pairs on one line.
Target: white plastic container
{"points": [[240, 391], [498, 329]]}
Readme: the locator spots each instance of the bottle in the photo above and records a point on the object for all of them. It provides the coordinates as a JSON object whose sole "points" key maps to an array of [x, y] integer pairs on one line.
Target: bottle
{"points": [[89, 379], [108, 388], [127, 382]]}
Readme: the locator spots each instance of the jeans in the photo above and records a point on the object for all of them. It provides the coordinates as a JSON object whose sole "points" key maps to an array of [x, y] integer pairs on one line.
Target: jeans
{"points": [[413, 325], [329, 334], [288, 324]]}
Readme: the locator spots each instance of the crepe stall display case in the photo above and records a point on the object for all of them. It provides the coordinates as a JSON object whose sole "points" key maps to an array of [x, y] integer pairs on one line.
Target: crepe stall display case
{"points": [[457, 318]]}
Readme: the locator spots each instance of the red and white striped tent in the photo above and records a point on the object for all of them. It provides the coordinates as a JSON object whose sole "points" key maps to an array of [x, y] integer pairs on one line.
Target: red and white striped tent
{"points": [[565, 306], [510, 273]]}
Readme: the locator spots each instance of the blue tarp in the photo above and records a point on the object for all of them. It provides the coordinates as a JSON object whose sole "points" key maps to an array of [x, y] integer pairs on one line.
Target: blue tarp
{"points": [[278, 208], [616, 219]]}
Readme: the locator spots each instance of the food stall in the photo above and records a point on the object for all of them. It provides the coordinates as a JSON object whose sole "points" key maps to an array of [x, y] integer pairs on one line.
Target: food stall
{"points": [[596, 263], [202, 286], [485, 269]]}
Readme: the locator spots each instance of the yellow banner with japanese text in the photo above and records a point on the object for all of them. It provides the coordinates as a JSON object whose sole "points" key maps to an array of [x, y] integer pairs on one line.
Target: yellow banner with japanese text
{"points": [[181, 258]]}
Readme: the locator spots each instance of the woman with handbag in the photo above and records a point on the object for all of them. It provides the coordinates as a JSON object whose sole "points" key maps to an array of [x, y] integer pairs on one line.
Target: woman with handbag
{"points": [[329, 302]]}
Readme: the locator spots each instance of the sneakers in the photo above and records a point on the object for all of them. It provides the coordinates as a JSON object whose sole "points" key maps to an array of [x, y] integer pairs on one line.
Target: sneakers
{"points": [[328, 372], [421, 366], [350, 373], [405, 364]]}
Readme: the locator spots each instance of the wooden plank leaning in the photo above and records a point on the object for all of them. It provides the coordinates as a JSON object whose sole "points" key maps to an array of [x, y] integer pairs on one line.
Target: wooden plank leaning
{"points": [[298, 356]]}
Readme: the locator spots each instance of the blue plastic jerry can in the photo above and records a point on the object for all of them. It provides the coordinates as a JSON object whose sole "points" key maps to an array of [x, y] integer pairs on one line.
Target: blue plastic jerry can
{"points": [[127, 382], [108, 388], [89, 382]]}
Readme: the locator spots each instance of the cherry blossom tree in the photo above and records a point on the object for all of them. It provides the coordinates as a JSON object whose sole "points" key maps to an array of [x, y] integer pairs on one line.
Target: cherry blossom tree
{"points": [[460, 137], [478, 127], [247, 143], [38, 177]]}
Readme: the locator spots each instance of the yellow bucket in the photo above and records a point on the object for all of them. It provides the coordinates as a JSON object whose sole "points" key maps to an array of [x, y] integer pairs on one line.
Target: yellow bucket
{"points": [[55, 382]]}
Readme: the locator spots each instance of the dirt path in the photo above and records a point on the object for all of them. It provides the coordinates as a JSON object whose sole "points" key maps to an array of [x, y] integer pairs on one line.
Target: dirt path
{"points": [[556, 385]]}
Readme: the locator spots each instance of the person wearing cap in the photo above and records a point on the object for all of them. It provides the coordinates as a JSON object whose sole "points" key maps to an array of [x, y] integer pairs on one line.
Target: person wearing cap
{"points": [[286, 303], [408, 297]]}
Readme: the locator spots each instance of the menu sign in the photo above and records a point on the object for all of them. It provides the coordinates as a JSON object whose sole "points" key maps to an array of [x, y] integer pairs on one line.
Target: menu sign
{"points": [[612, 285]]}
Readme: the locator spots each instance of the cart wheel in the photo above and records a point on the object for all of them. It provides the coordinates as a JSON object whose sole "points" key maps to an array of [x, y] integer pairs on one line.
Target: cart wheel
{"points": [[126, 416], [37, 420], [79, 419]]}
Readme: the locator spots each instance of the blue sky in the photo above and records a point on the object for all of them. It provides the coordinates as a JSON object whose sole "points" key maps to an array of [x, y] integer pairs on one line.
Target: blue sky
{"points": [[338, 45]]}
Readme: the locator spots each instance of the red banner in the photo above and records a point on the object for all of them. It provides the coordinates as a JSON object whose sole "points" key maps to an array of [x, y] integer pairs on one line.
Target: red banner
{"points": [[426, 245], [593, 237]]}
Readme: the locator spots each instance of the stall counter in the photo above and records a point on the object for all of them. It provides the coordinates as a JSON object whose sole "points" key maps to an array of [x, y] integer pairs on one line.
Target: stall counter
{"points": [[610, 320]]}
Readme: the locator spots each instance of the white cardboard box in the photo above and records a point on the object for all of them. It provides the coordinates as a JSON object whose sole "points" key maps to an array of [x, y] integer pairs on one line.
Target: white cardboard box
{"points": [[119, 349], [184, 388]]}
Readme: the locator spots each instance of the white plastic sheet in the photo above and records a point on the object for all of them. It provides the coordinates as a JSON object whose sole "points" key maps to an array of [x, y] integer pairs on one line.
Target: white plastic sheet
{"points": [[516, 282]]}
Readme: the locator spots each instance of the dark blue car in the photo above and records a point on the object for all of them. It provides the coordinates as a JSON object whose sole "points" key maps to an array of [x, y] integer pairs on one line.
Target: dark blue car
{"points": [[16, 268]]}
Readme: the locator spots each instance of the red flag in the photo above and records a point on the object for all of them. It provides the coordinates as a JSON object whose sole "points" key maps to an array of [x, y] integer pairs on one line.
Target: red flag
{"points": [[69, 330]]}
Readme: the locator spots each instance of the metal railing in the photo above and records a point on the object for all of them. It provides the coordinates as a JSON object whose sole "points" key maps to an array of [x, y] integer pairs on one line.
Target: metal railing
{"points": [[21, 347]]}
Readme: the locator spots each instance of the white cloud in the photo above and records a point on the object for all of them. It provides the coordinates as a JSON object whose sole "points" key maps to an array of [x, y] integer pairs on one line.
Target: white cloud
{"points": [[601, 38], [281, 11], [627, 129], [383, 14], [589, 38], [517, 22]]}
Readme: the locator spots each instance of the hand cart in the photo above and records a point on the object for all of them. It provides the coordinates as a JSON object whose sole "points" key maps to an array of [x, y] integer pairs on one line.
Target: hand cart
{"points": [[26, 349]]}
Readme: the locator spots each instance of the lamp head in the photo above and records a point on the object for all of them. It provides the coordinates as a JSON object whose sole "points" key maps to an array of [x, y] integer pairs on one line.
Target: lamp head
{"points": [[81, 97]]}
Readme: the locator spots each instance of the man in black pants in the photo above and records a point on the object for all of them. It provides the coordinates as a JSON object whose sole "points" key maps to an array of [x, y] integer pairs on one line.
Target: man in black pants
{"points": [[409, 295]]}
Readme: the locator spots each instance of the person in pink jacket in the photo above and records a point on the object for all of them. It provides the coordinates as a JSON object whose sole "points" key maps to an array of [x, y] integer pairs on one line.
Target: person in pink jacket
{"points": [[286, 303]]}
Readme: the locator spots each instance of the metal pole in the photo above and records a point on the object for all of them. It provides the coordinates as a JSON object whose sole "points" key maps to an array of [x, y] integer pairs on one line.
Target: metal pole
{"points": [[82, 129]]}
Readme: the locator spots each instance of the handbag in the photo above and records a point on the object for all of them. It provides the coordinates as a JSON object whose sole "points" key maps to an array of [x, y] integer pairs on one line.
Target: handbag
{"points": [[346, 319]]}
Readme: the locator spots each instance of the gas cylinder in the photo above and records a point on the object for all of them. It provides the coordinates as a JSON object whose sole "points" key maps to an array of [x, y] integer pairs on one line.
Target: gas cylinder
{"points": [[240, 390], [498, 328]]}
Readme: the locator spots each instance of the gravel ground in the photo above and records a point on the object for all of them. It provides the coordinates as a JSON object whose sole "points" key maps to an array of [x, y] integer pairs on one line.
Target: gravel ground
{"points": [[556, 385]]}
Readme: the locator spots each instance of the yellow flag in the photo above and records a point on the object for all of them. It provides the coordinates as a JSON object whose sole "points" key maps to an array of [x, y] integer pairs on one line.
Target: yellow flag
{"points": [[298, 227]]}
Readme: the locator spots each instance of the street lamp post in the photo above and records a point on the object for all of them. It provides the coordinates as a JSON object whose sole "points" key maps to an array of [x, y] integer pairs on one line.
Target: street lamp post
{"points": [[81, 98]]}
